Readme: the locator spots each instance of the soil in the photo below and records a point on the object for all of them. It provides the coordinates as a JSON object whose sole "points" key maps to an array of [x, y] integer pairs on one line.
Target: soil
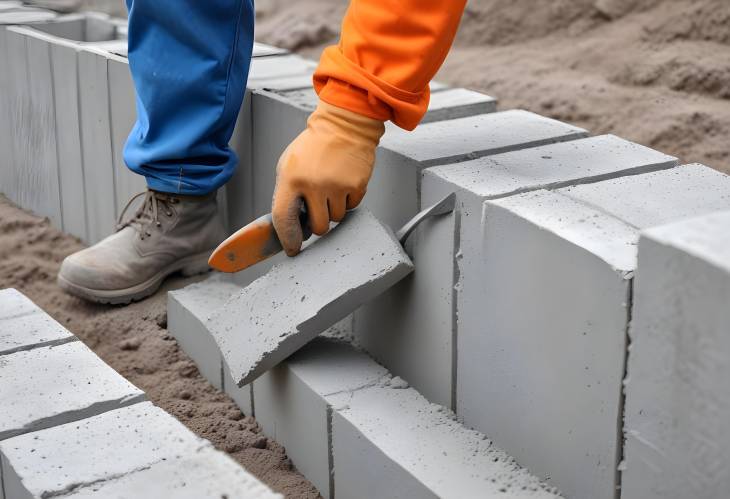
{"points": [[653, 71], [134, 341]]}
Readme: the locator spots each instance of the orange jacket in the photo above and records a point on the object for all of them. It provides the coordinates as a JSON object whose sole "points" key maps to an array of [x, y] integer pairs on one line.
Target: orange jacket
{"points": [[388, 52]]}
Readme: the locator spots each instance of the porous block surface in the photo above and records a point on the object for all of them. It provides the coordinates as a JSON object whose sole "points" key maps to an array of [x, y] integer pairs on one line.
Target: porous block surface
{"points": [[677, 418], [202, 474], [282, 311], [281, 66], [658, 198], [292, 401], [477, 135], [187, 310], [388, 441], [49, 386], [57, 460], [456, 103], [541, 343], [23, 325]]}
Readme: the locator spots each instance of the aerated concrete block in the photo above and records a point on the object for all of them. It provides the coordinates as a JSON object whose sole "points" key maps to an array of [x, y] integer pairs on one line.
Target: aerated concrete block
{"points": [[25, 16], [389, 441], [206, 473], [293, 408], [280, 312], [454, 103], [264, 50], [123, 114], [187, 310], [35, 177], [677, 419], [24, 326], [50, 386], [239, 189], [394, 190], [98, 449], [96, 143], [265, 69], [543, 315], [411, 329]]}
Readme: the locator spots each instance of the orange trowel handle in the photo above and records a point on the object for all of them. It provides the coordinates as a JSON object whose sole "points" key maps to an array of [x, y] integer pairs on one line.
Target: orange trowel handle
{"points": [[251, 244]]}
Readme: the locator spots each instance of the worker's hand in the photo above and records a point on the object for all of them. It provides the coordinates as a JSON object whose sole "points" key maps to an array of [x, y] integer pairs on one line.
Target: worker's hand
{"points": [[327, 167]]}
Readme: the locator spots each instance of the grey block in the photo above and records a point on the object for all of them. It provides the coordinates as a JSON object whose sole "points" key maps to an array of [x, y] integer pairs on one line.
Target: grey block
{"points": [[394, 190], [58, 460], [86, 27], [50, 386], [205, 474], [6, 144], [264, 50], [68, 139], [389, 441], [454, 103], [25, 16], [187, 310], [280, 312], [239, 189], [292, 402], [24, 326], [96, 143], [543, 314], [123, 114], [677, 418], [411, 329], [35, 181], [264, 69]]}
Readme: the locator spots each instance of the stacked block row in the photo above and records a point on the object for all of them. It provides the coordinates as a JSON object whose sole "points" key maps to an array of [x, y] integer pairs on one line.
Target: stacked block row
{"points": [[70, 426], [348, 425]]}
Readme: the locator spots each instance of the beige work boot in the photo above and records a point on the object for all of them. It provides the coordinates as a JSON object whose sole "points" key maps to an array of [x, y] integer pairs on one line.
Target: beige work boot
{"points": [[167, 234]]}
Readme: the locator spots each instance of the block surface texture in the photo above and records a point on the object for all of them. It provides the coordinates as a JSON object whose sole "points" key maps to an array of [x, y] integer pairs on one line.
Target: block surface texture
{"points": [[395, 188], [411, 329], [280, 312], [388, 441], [54, 385], [204, 474], [677, 419], [543, 306], [96, 449], [23, 325], [293, 406]]}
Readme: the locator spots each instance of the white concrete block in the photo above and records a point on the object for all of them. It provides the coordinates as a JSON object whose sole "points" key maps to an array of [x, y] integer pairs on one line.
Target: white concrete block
{"points": [[58, 460], [188, 310], [264, 50], [292, 402], [24, 326], [658, 198], [205, 474], [543, 313], [49, 386], [454, 103], [264, 69], [86, 27], [280, 312], [96, 144], [35, 180], [411, 329], [68, 139], [25, 16], [394, 190], [389, 441], [6, 144], [239, 189], [123, 114], [677, 419]]}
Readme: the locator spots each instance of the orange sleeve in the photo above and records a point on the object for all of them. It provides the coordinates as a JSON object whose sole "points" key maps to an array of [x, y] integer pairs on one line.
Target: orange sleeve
{"points": [[388, 52]]}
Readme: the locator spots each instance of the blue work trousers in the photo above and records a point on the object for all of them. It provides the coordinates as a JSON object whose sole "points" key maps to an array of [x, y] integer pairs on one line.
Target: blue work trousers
{"points": [[189, 61]]}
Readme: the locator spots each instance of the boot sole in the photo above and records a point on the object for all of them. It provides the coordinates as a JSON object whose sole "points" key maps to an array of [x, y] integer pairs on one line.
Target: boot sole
{"points": [[188, 266]]}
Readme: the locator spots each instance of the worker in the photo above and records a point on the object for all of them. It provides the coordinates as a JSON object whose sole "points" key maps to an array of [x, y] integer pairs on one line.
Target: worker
{"points": [[189, 60]]}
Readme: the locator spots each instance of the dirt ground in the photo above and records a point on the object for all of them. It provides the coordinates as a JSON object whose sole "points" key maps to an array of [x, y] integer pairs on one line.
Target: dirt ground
{"points": [[653, 71], [134, 341]]}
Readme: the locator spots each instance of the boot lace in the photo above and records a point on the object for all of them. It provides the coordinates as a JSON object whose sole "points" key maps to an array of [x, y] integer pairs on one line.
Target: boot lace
{"points": [[147, 215]]}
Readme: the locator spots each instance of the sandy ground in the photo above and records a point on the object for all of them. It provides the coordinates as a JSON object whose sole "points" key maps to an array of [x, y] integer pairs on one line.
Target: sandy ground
{"points": [[653, 71], [134, 341]]}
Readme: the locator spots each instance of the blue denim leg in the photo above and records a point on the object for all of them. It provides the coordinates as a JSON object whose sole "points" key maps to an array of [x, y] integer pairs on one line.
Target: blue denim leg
{"points": [[189, 61]]}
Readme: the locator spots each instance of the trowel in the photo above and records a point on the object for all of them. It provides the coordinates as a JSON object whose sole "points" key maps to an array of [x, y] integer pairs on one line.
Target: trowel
{"points": [[296, 300], [258, 241]]}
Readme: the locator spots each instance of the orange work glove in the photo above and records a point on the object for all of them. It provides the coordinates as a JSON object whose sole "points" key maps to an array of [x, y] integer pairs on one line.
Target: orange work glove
{"points": [[328, 167]]}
